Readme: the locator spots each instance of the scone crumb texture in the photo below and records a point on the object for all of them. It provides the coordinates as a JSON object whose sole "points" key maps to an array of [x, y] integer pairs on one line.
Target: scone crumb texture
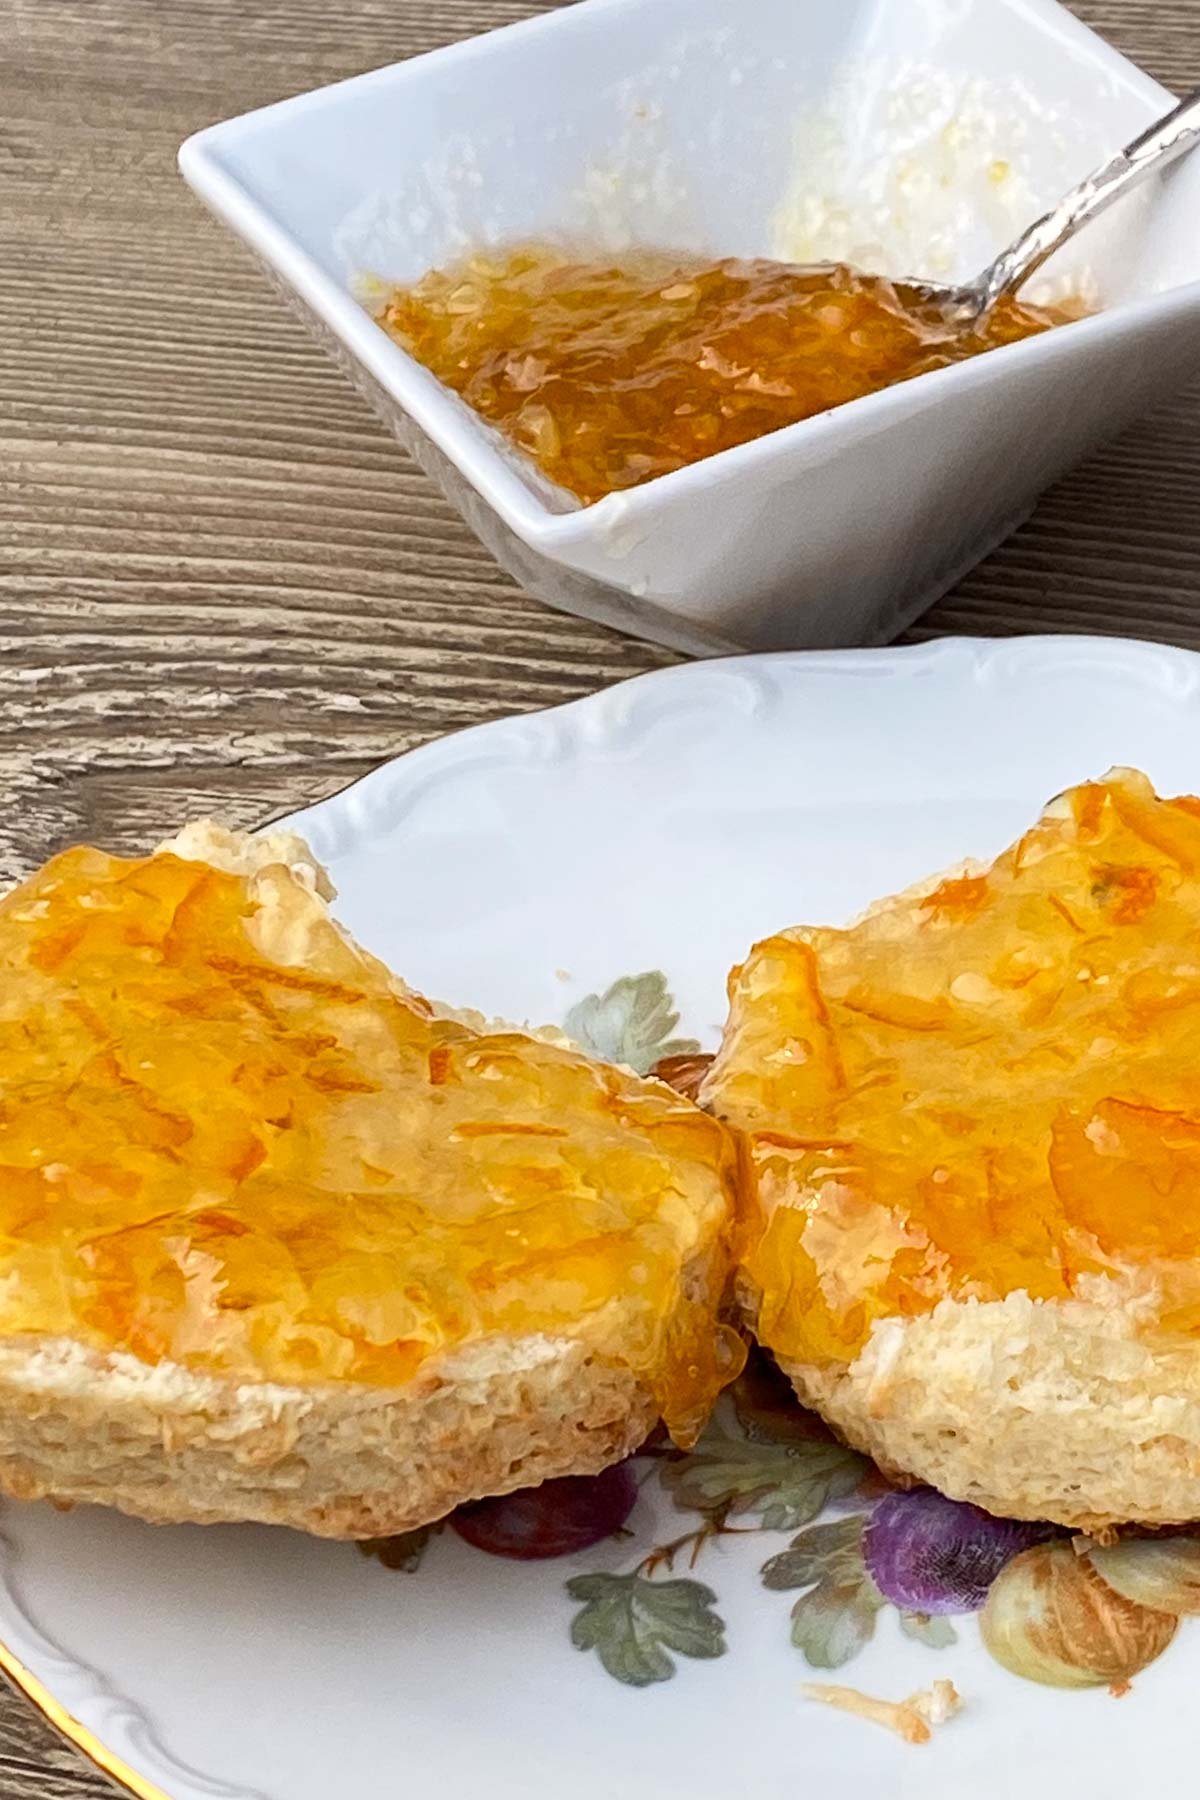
{"points": [[912, 1719]]}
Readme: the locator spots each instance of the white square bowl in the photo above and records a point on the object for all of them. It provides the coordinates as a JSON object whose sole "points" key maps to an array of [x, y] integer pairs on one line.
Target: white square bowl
{"points": [[909, 136]]}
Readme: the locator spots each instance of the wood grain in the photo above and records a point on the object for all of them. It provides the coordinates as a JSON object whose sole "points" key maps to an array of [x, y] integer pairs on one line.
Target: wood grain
{"points": [[222, 586]]}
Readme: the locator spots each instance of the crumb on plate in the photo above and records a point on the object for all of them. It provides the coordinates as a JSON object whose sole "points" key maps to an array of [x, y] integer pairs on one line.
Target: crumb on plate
{"points": [[912, 1719]]}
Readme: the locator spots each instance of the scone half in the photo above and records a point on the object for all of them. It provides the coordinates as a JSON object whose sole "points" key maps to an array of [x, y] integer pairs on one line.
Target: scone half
{"points": [[971, 1127], [281, 1241]]}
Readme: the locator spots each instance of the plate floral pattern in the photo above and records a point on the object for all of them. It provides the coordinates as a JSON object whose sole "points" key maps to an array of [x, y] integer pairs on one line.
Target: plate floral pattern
{"points": [[840, 1542]]}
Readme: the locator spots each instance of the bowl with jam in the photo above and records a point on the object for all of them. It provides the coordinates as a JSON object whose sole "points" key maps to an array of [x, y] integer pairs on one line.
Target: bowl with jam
{"points": [[634, 282]]}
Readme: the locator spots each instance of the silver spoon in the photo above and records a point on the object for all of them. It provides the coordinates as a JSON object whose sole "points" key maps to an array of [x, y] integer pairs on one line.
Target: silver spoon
{"points": [[1158, 146]]}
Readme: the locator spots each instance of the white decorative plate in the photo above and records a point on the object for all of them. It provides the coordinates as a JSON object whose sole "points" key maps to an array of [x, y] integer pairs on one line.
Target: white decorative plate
{"points": [[521, 868]]}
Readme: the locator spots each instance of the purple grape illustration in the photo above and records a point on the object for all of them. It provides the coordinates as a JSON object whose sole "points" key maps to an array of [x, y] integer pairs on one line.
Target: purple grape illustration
{"points": [[559, 1517], [928, 1554]]}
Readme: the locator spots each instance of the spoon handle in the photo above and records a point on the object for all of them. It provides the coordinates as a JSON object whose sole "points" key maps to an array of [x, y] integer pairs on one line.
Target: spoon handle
{"points": [[1158, 146]]}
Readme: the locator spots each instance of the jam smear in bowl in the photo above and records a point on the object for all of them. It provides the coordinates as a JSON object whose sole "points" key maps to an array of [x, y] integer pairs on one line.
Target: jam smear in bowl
{"points": [[607, 373]]}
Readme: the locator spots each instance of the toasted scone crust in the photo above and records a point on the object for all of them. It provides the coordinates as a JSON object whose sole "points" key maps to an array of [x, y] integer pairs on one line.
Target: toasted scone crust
{"points": [[167, 1445], [1054, 1410]]}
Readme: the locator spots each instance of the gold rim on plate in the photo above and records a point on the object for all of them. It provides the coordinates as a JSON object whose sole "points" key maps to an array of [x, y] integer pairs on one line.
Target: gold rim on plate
{"points": [[83, 1740]]}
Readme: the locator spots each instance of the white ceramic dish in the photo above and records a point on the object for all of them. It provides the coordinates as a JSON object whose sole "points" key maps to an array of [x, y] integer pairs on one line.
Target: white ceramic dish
{"points": [[891, 132], [522, 867]]}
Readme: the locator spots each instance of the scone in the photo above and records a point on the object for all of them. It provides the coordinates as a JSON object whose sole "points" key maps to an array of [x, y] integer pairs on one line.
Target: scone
{"points": [[973, 1159], [280, 1241]]}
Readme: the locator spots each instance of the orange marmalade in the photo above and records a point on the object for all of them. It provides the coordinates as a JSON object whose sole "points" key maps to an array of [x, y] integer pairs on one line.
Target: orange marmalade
{"points": [[609, 373], [230, 1140], [988, 1089]]}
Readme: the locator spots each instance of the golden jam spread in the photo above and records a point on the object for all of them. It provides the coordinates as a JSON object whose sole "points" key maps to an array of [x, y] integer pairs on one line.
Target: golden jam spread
{"points": [[609, 373], [990, 1089], [262, 1160]]}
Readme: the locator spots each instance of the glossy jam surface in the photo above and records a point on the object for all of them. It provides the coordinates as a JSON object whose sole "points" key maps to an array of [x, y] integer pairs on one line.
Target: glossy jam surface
{"points": [[261, 1160], [610, 373], [991, 1089]]}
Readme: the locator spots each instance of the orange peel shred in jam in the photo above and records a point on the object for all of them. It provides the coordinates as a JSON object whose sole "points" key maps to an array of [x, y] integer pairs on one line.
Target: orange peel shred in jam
{"points": [[278, 1167], [990, 1089], [609, 373]]}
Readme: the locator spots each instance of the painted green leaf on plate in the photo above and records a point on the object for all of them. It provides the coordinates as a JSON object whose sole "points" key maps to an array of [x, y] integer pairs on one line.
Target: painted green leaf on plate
{"points": [[927, 1628], [403, 1552], [828, 1552], [632, 1623], [786, 1484], [832, 1622], [836, 1617], [630, 1023]]}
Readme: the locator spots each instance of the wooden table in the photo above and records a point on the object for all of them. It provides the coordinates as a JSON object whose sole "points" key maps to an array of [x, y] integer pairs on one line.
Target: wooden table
{"points": [[222, 585]]}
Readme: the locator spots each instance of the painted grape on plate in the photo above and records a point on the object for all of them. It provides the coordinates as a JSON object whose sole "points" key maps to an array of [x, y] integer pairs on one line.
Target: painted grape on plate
{"points": [[933, 1555], [555, 1519]]}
